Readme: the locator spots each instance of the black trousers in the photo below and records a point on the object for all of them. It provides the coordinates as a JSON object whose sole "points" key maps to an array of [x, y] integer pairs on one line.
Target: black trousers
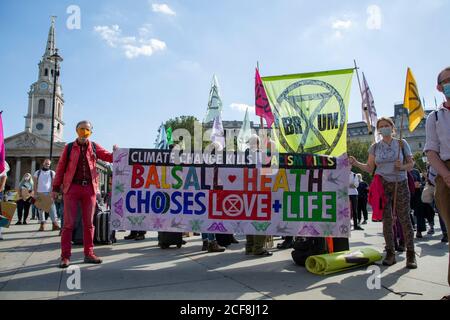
{"points": [[138, 233], [23, 209], [362, 208], [354, 207]]}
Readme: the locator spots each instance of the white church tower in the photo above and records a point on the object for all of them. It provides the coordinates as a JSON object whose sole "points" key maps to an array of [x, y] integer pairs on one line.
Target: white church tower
{"points": [[40, 97]]}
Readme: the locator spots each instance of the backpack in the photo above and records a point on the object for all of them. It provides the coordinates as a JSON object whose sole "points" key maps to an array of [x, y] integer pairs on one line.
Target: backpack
{"points": [[52, 176]]}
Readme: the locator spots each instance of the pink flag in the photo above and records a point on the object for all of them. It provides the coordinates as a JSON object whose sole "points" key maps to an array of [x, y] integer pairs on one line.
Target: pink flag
{"points": [[2, 146], [262, 105]]}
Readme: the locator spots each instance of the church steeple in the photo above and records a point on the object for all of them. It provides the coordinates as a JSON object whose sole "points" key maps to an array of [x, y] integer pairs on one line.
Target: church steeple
{"points": [[51, 41], [40, 97]]}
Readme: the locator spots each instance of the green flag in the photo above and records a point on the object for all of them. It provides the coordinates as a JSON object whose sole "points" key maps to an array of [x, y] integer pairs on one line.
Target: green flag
{"points": [[244, 134], [169, 136], [311, 111]]}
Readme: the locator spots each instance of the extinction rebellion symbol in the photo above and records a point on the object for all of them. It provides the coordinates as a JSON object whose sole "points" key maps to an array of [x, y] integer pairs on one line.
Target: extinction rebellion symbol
{"points": [[304, 123]]}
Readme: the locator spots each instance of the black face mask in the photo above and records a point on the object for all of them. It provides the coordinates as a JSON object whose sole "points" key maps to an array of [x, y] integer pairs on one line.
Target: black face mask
{"points": [[45, 169]]}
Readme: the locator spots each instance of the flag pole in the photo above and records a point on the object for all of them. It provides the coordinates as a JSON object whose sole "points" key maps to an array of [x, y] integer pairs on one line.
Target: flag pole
{"points": [[366, 109], [394, 206]]}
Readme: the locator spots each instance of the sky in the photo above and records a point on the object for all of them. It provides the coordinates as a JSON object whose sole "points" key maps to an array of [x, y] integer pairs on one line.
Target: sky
{"points": [[131, 65]]}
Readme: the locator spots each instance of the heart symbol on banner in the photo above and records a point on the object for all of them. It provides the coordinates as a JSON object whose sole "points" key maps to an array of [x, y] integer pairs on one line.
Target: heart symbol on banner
{"points": [[232, 179]]}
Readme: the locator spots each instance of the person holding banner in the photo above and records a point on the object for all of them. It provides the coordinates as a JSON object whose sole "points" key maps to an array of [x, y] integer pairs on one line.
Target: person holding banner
{"points": [[77, 177], [43, 180], [391, 159], [437, 148], [3, 177], [24, 203], [255, 243]]}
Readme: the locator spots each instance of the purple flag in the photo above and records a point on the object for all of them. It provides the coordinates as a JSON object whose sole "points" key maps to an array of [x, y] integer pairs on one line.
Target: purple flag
{"points": [[368, 105], [218, 134], [262, 105], [2, 146]]}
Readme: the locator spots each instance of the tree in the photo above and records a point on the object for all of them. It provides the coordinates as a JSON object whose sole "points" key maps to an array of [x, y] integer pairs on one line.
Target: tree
{"points": [[360, 150], [422, 166], [187, 123]]}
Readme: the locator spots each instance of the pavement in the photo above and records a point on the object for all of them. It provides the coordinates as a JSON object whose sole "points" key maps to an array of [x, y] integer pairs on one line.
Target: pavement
{"points": [[141, 270]]}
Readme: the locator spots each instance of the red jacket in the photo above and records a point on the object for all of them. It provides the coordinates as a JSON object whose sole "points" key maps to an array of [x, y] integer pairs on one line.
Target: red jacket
{"points": [[377, 198], [65, 176]]}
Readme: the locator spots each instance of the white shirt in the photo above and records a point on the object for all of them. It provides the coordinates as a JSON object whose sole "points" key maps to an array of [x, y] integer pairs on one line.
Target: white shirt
{"points": [[438, 133], [45, 180], [353, 184]]}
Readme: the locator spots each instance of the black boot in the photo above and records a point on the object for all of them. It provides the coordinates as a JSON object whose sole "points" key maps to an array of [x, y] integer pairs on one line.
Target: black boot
{"points": [[140, 236], [132, 235]]}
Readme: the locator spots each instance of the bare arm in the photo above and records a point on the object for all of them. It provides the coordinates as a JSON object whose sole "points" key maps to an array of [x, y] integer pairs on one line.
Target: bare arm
{"points": [[2, 183], [438, 165], [35, 183], [368, 167]]}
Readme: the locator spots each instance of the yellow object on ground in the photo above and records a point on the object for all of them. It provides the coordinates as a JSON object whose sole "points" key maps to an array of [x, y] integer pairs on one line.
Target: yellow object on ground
{"points": [[341, 261]]}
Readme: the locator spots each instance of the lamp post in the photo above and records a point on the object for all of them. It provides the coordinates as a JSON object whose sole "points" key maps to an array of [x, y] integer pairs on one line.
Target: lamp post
{"points": [[56, 59]]}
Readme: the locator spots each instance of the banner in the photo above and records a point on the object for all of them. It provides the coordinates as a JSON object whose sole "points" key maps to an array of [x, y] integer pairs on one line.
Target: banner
{"points": [[412, 102], [160, 190], [311, 111]]}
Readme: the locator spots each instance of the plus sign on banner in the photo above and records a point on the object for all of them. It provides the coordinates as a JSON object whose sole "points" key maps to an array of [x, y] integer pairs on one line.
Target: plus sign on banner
{"points": [[242, 193]]}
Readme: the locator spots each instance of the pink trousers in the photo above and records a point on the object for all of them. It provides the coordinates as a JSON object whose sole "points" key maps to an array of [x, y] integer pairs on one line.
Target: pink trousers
{"points": [[84, 198]]}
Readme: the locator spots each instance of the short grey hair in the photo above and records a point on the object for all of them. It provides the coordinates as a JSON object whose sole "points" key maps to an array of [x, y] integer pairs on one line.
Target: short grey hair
{"points": [[440, 75], [84, 122]]}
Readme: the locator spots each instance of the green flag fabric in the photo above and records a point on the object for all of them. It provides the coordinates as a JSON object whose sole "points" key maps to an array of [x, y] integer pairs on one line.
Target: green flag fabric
{"points": [[214, 103], [244, 134], [169, 136], [311, 111]]}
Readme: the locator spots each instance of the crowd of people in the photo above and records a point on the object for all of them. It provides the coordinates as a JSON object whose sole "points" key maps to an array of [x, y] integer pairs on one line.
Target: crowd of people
{"points": [[402, 198]]}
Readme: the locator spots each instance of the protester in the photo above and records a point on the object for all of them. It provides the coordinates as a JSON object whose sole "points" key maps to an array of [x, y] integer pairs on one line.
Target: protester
{"points": [[255, 243], [437, 148], [428, 197], [3, 177], [26, 187], [422, 211], [353, 196], [210, 243], [43, 180], [391, 158], [77, 177], [363, 191]]}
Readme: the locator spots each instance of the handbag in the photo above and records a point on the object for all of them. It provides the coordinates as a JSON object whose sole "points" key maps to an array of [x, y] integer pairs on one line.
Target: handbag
{"points": [[428, 193]]}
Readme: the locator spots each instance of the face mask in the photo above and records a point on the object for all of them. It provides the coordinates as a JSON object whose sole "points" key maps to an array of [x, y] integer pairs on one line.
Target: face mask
{"points": [[83, 133], [386, 131], [447, 90]]}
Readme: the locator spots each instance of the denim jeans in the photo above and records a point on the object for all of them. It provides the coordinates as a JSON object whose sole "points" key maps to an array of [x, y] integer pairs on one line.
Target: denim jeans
{"points": [[52, 212], [208, 236]]}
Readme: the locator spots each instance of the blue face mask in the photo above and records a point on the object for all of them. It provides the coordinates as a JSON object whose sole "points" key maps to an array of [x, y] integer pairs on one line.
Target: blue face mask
{"points": [[447, 90], [386, 131]]}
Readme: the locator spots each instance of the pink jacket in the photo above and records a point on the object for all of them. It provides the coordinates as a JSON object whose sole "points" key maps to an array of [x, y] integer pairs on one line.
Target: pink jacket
{"points": [[377, 198], [64, 177]]}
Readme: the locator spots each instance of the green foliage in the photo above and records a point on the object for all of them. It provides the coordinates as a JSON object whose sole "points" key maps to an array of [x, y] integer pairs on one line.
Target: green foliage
{"points": [[422, 166], [183, 122], [360, 150]]}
